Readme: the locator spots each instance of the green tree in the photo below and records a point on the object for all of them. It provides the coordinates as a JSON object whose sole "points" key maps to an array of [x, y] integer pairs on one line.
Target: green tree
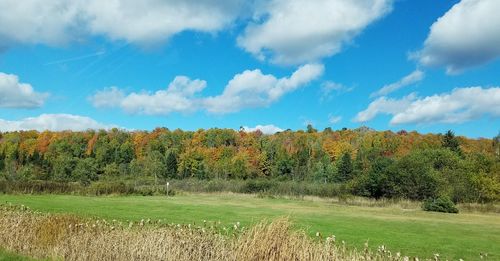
{"points": [[239, 167], [284, 166], [137, 168], [125, 153], [345, 168], [63, 167], [155, 165], [311, 129], [380, 181], [171, 164], [324, 171], [104, 154], [451, 142], [2, 162], [85, 171], [416, 177], [496, 144], [191, 164], [112, 171]]}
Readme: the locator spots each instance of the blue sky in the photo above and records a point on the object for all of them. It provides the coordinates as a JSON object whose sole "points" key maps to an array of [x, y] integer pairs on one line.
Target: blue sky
{"points": [[281, 64]]}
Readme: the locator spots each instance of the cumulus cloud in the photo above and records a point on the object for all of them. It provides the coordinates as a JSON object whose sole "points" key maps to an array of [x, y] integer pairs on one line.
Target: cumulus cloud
{"points": [[53, 122], [265, 129], [384, 105], [409, 79], [252, 89], [460, 105], [467, 35], [107, 98], [14, 94], [248, 89], [38, 21], [178, 97], [299, 31], [147, 22], [151, 20]]}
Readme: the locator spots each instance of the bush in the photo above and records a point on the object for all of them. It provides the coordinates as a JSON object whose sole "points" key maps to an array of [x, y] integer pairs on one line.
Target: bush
{"points": [[257, 186], [38, 187], [441, 204], [107, 188]]}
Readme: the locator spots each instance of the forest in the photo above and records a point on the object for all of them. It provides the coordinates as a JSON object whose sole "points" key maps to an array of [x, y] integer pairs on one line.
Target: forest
{"points": [[361, 162]]}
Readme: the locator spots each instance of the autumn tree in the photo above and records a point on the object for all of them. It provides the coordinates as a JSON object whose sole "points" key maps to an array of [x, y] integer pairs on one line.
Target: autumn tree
{"points": [[374, 163]]}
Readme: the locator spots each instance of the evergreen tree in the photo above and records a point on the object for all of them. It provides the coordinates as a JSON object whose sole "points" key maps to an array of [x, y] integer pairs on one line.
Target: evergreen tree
{"points": [[311, 129], [451, 142], [345, 168], [171, 164], [496, 144]]}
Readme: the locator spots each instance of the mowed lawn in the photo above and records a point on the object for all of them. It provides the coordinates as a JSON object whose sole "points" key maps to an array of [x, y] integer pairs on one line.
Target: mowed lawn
{"points": [[411, 232]]}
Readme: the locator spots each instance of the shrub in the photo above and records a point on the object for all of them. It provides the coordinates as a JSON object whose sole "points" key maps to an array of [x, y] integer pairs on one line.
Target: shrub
{"points": [[106, 188], [38, 186], [440, 204], [256, 186]]}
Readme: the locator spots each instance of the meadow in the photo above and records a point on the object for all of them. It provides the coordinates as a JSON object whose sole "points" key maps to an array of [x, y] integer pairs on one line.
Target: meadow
{"points": [[401, 228]]}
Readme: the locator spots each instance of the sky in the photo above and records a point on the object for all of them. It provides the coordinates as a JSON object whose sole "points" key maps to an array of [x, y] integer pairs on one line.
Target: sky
{"points": [[271, 65]]}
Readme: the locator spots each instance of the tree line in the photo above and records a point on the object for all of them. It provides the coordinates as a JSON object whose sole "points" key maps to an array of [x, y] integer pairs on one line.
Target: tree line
{"points": [[377, 164]]}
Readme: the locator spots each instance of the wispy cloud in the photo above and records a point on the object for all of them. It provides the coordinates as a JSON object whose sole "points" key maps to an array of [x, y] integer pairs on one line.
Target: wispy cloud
{"points": [[412, 78], [77, 58], [329, 88], [334, 119]]}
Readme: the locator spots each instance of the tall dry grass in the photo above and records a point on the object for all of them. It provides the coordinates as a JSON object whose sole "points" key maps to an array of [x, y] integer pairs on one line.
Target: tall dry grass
{"points": [[69, 237]]}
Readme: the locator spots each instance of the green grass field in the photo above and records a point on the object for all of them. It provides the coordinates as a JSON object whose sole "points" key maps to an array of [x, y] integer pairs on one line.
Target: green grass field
{"points": [[412, 232]]}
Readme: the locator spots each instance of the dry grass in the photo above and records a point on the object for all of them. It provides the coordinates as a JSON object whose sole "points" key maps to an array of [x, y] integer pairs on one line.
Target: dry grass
{"points": [[358, 201], [72, 238], [384, 202], [479, 208]]}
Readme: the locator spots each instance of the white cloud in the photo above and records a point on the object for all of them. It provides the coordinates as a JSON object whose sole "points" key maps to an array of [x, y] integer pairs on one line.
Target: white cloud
{"points": [[150, 21], [107, 98], [467, 35], [409, 79], [332, 119], [53, 122], [384, 105], [51, 22], [252, 89], [146, 22], [178, 97], [249, 89], [299, 31], [14, 94], [265, 129], [460, 105], [328, 87]]}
